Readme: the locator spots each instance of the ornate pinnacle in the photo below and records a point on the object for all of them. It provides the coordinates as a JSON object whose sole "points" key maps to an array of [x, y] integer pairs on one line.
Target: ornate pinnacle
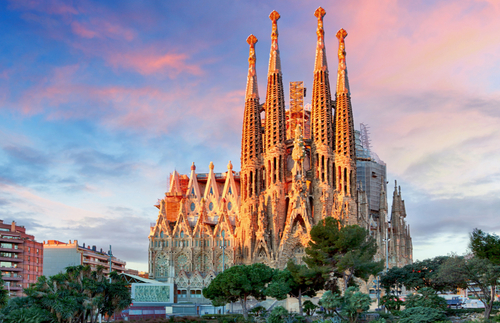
{"points": [[252, 90], [341, 35], [320, 13], [274, 16], [274, 59], [342, 81], [320, 63], [252, 40]]}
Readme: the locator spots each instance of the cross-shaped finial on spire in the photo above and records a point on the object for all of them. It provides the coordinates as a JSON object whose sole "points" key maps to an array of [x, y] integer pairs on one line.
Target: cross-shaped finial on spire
{"points": [[320, 13], [252, 40], [341, 34], [274, 16]]}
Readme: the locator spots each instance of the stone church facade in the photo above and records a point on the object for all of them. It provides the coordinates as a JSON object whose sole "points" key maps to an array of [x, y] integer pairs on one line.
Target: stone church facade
{"points": [[298, 166]]}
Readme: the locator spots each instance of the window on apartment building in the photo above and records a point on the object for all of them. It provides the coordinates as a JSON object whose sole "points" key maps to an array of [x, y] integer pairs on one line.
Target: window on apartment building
{"points": [[37, 251], [29, 249]]}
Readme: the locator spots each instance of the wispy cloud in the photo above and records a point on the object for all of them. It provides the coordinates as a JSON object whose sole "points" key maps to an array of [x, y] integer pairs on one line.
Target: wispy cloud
{"points": [[146, 63]]}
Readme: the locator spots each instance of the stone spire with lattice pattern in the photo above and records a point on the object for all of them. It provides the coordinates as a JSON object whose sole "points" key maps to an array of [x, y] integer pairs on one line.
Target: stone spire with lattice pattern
{"points": [[345, 153], [251, 142]]}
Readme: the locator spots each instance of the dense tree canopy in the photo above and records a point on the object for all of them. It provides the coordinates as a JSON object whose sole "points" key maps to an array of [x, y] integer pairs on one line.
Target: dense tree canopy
{"points": [[481, 269], [79, 295], [415, 276], [344, 251], [485, 246], [237, 283], [4, 294], [297, 281], [351, 305]]}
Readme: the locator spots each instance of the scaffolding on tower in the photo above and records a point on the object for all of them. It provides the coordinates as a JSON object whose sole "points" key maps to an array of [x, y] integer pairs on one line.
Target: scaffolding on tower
{"points": [[296, 114], [365, 136]]}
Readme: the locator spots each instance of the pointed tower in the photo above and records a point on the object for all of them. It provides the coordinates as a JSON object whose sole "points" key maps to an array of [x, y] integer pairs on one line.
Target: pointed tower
{"points": [[345, 153], [322, 128], [251, 141], [274, 139], [251, 176]]}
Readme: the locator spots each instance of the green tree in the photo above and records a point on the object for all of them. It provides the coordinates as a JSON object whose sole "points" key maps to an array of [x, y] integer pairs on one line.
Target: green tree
{"points": [[344, 251], [417, 275], [238, 283], [485, 246], [351, 305], [4, 294], [116, 295], [297, 281], [79, 295], [391, 302], [426, 297], [482, 274], [393, 279], [309, 307], [330, 302]]}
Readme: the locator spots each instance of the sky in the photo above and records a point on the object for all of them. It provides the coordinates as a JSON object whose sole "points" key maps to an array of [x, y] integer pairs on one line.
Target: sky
{"points": [[101, 100]]}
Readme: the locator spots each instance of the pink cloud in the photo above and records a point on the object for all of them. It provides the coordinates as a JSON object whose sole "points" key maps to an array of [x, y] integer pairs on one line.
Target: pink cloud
{"points": [[49, 6], [81, 31], [148, 62], [392, 45], [101, 29]]}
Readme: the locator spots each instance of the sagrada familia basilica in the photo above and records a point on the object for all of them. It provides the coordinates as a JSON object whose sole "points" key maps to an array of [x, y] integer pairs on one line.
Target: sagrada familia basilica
{"points": [[298, 166]]}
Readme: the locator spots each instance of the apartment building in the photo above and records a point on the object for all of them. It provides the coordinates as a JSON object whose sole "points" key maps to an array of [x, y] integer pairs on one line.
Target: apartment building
{"points": [[59, 255], [21, 258]]}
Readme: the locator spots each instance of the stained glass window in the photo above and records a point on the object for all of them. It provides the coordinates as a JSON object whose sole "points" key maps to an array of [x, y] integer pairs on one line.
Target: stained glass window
{"points": [[211, 206], [192, 206], [229, 206]]}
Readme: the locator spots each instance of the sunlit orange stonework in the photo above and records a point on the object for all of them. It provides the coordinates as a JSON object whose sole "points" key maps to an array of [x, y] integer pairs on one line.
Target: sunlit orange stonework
{"points": [[290, 179]]}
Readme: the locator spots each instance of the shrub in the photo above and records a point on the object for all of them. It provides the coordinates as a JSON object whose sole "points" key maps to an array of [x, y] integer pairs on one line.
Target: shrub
{"points": [[391, 302], [427, 297], [309, 307], [420, 314]]}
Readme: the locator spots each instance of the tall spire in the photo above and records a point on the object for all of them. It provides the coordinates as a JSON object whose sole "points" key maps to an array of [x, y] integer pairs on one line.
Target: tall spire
{"points": [[251, 141], [275, 132], [345, 153], [252, 88], [275, 153], [321, 123], [342, 80], [320, 63], [274, 56]]}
